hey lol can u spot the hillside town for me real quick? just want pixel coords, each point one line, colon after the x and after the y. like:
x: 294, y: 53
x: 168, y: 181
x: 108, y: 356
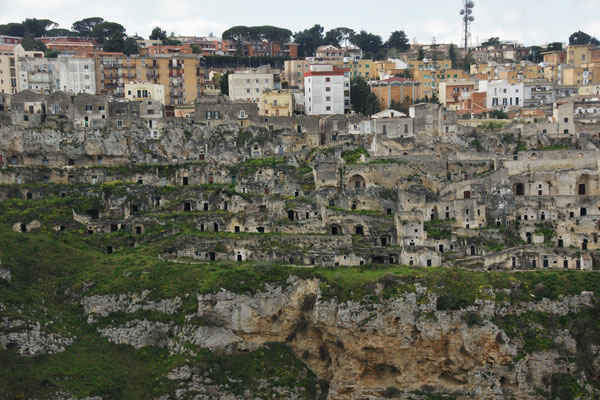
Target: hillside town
x: 319, y: 214
x: 490, y: 164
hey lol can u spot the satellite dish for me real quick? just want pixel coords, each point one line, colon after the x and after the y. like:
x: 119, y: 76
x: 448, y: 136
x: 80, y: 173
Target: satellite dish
x: 465, y: 18
x: 470, y: 4
x: 462, y: 12
x: 469, y: 11
x: 471, y: 18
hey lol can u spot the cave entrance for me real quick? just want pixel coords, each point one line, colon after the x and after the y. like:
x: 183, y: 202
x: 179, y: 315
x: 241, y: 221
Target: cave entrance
x: 93, y: 214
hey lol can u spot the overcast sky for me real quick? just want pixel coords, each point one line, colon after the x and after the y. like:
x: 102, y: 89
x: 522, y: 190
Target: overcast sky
x: 528, y: 21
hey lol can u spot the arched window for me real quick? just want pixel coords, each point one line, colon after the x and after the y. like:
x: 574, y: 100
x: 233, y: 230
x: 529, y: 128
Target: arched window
x: 357, y: 181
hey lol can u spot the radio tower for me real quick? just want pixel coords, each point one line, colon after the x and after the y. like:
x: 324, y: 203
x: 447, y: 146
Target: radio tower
x: 467, y: 12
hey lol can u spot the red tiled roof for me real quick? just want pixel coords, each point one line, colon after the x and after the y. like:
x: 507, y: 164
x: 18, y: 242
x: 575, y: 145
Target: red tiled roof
x: 7, y: 47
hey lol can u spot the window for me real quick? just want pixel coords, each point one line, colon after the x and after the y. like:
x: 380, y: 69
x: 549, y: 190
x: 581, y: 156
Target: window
x: 328, y: 108
x: 327, y: 79
x: 88, y: 108
x: 328, y: 89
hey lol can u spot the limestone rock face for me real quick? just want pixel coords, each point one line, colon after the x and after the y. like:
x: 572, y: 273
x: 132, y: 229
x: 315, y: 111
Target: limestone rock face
x: 29, y: 339
x: 104, y: 305
x: 360, y: 348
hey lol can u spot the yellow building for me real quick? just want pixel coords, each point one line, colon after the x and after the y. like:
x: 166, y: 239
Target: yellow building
x: 364, y: 68
x: 479, y: 69
x: 180, y: 75
x: 8, y: 69
x: 428, y: 82
x: 589, y: 90
x: 383, y: 67
x: 533, y: 72
x: 512, y: 76
x: 431, y: 65
x: 572, y: 77
x: 9, y: 66
x: 454, y: 74
x: 579, y: 54
x: 139, y: 91
x: 277, y: 103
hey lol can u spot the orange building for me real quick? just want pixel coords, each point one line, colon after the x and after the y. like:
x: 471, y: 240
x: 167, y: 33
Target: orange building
x: 452, y: 92
x: 211, y: 47
x: 527, y: 114
x: 473, y: 104
x: 555, y: 57
x: 181, y: 75
x: 263, y: 49
x: 70, y: 44
x: 395, y: 89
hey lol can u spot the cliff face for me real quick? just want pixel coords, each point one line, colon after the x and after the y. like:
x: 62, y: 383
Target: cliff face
x: 363, y: 349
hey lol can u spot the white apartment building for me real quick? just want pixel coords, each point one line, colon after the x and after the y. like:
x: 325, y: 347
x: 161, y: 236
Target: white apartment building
x: 326, y: 90
x: 250, y: 84
x: 46, y: 75
x: 76, y: 75
x: 140, y: 91
x: 37, y: 73
x: 502, y: 95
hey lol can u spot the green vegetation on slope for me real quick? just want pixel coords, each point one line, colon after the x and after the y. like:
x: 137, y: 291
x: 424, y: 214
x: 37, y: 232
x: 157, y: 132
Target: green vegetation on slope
x: 49, y: 268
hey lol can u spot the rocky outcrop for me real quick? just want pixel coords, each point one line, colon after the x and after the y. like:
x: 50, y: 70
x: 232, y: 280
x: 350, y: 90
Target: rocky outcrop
x: 197, y: 383
x: 104, y: 305
x: 27, y: 227
x: 29, y: 339
x: 361, y: 348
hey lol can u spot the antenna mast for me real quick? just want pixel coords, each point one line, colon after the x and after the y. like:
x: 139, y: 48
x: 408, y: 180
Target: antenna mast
x: 468, y: 18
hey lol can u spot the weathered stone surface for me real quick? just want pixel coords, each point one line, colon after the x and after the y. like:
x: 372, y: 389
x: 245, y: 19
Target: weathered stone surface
x: 104, y: 305
x: 362, y: 349
x: 30, y: 340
